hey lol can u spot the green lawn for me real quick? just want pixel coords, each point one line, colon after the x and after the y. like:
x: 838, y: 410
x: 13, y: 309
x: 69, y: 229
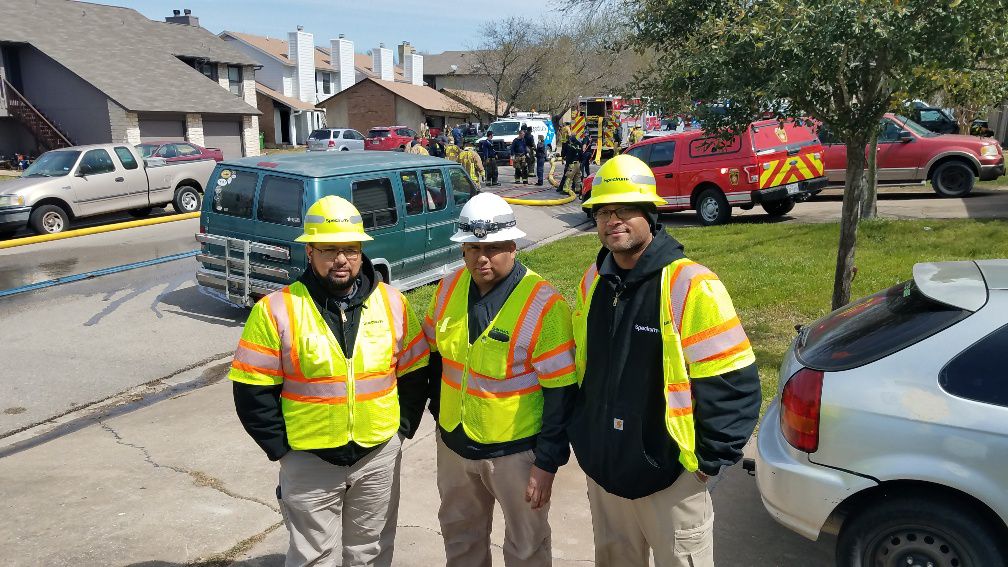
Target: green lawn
x: 781, y: 275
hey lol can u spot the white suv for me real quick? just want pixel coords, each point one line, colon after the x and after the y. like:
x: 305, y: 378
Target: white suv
x: 891, y: 424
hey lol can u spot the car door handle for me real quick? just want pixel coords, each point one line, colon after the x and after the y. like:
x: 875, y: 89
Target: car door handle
x: 120, y: 179
x: 668, y: 176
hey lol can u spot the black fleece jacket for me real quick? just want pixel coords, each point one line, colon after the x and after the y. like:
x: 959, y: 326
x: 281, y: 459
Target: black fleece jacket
x: 618, y: 428
x: 259, y: 407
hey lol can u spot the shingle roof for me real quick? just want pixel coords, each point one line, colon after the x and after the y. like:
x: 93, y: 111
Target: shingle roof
x: 424, y: 97
x: 279, y: 49
x: 363, y: 64
x: 441, y: 63
x: 131, y: 59
x: 481, y: 101
x: 294, y: 103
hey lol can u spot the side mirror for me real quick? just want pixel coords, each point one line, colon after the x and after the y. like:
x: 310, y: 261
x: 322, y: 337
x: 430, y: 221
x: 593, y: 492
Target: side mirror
x: 905, y: 136
x: 81, y: 172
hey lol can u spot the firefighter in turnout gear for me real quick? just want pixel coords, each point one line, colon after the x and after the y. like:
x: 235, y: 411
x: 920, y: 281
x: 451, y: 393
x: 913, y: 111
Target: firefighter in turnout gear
x: 329, y: 378
x: 472, y: 164
x: 519, y: 154
x: 503, y: 385
x: 669, y: 389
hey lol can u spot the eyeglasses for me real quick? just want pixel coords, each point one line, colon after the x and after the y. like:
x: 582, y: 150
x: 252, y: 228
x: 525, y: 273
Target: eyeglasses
x: 622, y: 213
x: 333, y: 253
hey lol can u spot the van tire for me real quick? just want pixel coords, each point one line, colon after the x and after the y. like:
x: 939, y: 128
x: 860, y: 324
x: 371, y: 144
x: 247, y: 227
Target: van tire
x: 712, y: 207
x: 187, y: 200
x: 140, y: 213
x: 953, y: 179
x: 49, y: 219
x: 779, y: 208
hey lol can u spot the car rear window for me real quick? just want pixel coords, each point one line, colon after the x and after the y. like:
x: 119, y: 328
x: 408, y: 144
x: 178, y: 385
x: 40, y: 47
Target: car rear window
x: 375, y: 201
x: 769, y: 137
x: 379, y: 133
x: 319, y: 135
x: 874, y: 327
x: 280, y: 200
x: 233, y: 192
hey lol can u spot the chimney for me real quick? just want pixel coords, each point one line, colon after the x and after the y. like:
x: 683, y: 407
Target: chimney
x: 301, y: 52
x: 381, y: 63
x: 413, y: 69
x: 405, y: 49
x: 184, y: 18
x: 342, y: 57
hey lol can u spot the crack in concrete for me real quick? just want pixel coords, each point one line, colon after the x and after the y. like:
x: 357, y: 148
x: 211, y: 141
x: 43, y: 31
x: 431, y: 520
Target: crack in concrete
x: 226, y: 558
x: 199, y: 478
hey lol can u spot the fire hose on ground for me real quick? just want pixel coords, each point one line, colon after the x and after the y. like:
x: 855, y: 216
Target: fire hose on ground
x: 571, y: 195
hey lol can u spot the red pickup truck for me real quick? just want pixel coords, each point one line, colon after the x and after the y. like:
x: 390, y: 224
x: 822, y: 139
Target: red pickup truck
x: 908, y: 153
x: 770, y: 164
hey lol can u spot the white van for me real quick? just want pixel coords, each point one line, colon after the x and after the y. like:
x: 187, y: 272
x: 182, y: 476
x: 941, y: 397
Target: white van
x: 505, y: 130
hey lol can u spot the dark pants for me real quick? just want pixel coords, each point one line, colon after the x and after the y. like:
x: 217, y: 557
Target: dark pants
x: 490, y: 168
x: 540, y: 168
x: 586, y: 167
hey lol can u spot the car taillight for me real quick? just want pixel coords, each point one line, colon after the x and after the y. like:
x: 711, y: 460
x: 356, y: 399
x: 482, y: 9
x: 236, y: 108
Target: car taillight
x: 332, y: 143
x: 800, y: 402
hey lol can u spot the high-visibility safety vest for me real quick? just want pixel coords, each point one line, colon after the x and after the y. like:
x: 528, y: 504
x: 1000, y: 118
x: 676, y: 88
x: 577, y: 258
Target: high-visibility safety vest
x: 701, y: 337
x: 329, y: 399
x: 493, y: 387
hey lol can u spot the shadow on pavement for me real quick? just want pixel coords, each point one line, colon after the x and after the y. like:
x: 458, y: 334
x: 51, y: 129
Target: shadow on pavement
x: 272, y: 560
x: 192, y: 303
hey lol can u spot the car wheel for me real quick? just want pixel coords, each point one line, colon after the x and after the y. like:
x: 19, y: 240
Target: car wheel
x: 49, y: 219
x: 141, y: 212
x: 187, y: 200
x: 918, y: 531
x: 953, y: 179
x: 712, y: 207
x: 344, y: 149
x: 779, y: 208
x: 402, y: 148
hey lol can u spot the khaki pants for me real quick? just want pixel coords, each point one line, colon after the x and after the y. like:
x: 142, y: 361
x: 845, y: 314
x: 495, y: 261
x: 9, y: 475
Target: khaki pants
x: 676, y: 523
x: 468, y: 490
x: 341, y: 515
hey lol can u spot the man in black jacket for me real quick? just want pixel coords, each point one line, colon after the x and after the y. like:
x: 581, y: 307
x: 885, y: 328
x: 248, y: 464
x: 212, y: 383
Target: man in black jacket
x: 339, y: 462
x: 669, y: 387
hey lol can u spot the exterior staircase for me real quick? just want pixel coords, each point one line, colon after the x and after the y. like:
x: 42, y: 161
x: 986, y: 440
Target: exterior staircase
x: 17, y: 106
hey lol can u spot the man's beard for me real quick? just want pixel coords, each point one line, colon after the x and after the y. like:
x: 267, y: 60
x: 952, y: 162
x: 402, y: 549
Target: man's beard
x: 629, y: 245
x: 334, y: 285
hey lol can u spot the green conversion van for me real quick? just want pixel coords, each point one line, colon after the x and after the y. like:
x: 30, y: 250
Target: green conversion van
x: 254, y: 208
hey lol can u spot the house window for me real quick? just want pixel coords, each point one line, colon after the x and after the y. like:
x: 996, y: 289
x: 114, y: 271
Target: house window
x: 325, y: 79
x: 209, y: 70
x: 235, y: 79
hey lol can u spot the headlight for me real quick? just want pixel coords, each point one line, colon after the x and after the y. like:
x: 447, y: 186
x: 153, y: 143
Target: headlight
x: 990, y: 151
x: 11, y: 200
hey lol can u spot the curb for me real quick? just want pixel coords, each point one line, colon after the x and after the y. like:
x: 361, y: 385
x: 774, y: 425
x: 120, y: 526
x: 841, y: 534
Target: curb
x: 95, y: 230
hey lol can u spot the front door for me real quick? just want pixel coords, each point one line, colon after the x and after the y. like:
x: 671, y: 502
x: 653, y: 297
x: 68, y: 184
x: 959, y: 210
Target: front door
x: 417, y: 236
x: 100, y: 186
x: 898, y: 160
x: 441, y: 219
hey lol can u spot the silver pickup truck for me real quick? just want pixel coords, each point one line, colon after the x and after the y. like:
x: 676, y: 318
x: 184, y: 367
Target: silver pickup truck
x: 83, y: 181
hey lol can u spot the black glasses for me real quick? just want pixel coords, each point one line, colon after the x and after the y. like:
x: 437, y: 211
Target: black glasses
x: 622, y: 213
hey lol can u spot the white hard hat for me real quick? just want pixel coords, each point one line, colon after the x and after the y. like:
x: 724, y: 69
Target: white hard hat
x: 487, y: 218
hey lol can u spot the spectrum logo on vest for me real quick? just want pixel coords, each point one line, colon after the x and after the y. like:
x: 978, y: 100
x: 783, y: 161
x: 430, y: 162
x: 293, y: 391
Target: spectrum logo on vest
x: 645, y: 329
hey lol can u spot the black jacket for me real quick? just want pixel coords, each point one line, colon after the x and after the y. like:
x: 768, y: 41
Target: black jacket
x: 618, y: 428
x: 550, y: 445
x: 259, y: 407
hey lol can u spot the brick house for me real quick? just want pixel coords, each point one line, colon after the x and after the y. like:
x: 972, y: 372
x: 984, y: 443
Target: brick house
x: 81, y: 73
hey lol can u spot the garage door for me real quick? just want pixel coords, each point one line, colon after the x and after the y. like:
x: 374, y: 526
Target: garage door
x: 224, y: 134
x: 172, y: 130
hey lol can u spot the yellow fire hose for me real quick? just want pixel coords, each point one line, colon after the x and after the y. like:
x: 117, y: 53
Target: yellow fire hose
x: 546, y: 202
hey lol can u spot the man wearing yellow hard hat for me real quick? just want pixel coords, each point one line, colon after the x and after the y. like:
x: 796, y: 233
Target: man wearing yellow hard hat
x: 329, y: 378
x: 669, y: 390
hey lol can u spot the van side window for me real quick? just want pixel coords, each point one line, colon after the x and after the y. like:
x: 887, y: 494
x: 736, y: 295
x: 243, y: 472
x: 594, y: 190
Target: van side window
x: 375, y: 201
x: 233, y: 192
x: 661, y: 154
x: 462, y: 187
x: 412, y: 192
x: 126, y: 157
x: 437, y: 197
x: 280, y: 200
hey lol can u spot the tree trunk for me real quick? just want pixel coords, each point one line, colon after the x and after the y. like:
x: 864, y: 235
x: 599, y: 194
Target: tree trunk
x: 850, y: 216
x: 869, y: 202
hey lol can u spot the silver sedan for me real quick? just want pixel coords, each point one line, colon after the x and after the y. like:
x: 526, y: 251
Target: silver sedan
x: 890, y: 428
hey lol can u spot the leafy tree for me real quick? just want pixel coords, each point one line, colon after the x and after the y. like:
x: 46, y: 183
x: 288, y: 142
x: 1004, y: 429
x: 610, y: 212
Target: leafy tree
x: 843, y: 63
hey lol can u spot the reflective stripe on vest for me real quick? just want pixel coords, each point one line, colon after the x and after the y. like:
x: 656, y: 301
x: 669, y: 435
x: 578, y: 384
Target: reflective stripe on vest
x: 318, y: 377
x: 491, y: 387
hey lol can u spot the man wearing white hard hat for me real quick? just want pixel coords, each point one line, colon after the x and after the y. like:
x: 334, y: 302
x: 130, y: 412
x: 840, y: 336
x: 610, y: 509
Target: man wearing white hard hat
x: 503, y: 384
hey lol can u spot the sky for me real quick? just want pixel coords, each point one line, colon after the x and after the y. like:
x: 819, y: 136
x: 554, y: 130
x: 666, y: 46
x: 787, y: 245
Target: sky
x: 430, y: 26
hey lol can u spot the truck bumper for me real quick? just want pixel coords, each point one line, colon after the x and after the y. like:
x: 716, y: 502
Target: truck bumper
x: 14, y: 218
x: 990, y: 172
x: 798, y: 191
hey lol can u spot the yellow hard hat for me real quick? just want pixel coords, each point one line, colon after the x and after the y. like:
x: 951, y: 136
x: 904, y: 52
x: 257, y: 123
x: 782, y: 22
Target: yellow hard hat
x: 333, y: 219
x: 624, y: 179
